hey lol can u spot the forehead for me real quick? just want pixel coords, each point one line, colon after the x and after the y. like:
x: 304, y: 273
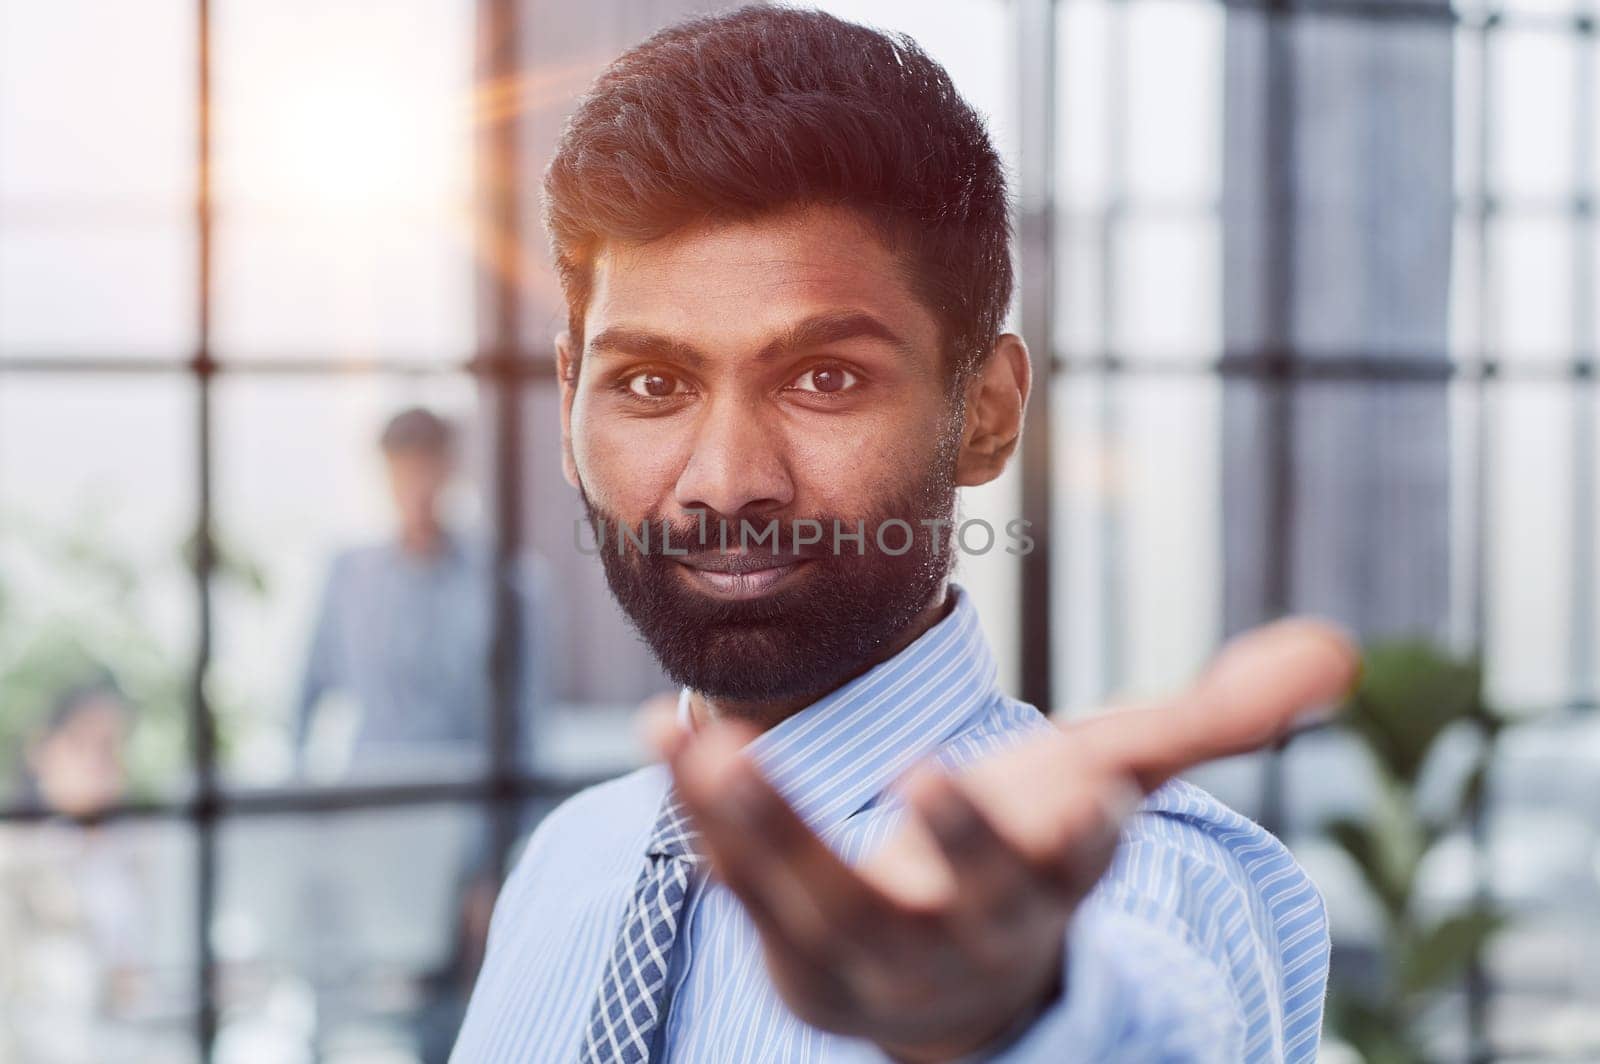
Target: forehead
x: 735, y: 283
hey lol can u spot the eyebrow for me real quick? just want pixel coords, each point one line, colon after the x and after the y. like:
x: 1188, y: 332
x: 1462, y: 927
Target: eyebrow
x: 816, y: 331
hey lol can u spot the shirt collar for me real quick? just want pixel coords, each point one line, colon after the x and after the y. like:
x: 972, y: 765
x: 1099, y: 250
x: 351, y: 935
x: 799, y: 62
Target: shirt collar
x: 837, y: 754
x: 451, y: 551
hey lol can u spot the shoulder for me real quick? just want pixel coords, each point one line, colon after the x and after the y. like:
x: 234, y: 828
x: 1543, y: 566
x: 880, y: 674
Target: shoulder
x: 1002, y: 722
x: 1188, y: 856
x: 1186, y: 818
x: 628, y: 795
x: 354, y: 561
x: 598, y: 829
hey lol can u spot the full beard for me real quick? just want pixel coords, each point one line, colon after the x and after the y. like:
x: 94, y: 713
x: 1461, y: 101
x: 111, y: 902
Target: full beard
x: 833, y: 619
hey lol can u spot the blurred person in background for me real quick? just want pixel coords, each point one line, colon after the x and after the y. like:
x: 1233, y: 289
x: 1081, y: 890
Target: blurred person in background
x: 405, y: 630
x: 74, y: 895
x: 405, y: 626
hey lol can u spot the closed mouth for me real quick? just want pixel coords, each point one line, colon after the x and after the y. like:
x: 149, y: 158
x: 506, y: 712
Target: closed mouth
x: 740, y: 575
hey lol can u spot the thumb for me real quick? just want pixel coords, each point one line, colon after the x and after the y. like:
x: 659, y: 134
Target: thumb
x: 1253, y: 693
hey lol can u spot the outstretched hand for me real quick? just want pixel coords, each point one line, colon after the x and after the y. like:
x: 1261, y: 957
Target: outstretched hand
x: 953, y: 932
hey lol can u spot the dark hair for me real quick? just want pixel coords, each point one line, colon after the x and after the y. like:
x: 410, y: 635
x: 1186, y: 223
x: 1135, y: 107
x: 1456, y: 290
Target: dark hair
x: 67, y: 704
x: 767, y: 108
x: 64, y: 709
x: 417, y: 429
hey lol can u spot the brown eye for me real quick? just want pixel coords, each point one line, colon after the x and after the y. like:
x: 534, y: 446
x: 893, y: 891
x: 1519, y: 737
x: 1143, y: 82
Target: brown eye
x: 827, y: 380
x: 652, y: 385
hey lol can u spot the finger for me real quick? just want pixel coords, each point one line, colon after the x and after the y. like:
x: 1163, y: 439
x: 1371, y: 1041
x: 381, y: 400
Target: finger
x: 1251, y: 695
x: 1059, y: 828
x: 795, y: 887
x: 660, y: 732
x: 1090, y: 832
x: 989, y: 882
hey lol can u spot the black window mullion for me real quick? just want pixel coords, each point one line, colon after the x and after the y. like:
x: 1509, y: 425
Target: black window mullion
x: 202, y: 735
x: 500, y: 182
x: 1036, y: 230
x: 1582, y: 606
x: 1108, y: 395
x: 1487, y: 326
x: 1278, y: 157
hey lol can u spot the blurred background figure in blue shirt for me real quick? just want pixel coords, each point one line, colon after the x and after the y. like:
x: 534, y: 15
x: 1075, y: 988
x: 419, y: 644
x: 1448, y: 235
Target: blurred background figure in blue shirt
x: 404, y: 633
x: 404, y: 628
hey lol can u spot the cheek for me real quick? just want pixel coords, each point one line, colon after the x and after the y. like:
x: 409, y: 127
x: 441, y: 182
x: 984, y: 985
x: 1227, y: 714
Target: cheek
x: 627, y: 466
x: 856, y: 465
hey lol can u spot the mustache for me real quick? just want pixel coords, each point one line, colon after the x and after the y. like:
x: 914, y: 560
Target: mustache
x: 733, y: 544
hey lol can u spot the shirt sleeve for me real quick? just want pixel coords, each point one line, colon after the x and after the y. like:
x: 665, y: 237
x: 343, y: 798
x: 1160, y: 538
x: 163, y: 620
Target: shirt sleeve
x: 1205, y: 942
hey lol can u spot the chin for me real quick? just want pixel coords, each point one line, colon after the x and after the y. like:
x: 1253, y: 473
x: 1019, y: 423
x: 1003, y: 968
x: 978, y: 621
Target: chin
x: 745, y: 662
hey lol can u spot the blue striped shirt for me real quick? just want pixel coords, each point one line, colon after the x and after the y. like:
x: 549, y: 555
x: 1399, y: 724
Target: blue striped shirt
x: 1204, y: 942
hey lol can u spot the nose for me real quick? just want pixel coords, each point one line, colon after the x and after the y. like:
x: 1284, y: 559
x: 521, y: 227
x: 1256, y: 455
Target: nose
x: 738, y: 463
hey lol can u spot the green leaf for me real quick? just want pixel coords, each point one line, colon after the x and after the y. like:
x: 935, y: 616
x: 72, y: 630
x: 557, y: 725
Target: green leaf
x: 1410, y: 692
x: 1375, y: 1026
x: 1442, y: 952
x: 1387, y: 848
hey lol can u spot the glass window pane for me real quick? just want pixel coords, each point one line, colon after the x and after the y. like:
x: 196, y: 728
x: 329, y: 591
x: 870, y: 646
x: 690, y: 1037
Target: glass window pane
x: 1168, y: 288
x: 344, y: 138
x: 352, y: 936
x: 1467, y: 306
x: 1467, y: 130
x: 1533, y: 74
x: 336, y: 644
x: 970, y: 38
x: 1529, y: 545
x: 97, y: 102
x: 1370, y: 537
x: 96, y: 509
x: 1370, y: 192
x: 1531, y: 287
x: 97, y: 157
x: 1083, y: 103
x: 1085, y: 476
x: 1080, y: 275
x: 1173, y: 125
x: 1169, y: 435
x: 85, y: 288
x: 1543, y: 864
x: 1138, y: 534
x: 351, y: 290
x: 99, y: 961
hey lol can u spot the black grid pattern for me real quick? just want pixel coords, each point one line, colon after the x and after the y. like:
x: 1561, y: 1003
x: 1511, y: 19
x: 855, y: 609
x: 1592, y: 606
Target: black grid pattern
x: 1475, y: 367
x: 504, y: 368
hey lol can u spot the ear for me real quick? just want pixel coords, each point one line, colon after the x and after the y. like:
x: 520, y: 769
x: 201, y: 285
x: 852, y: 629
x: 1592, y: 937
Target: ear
x: 567, y: 374
x: 995, y: 400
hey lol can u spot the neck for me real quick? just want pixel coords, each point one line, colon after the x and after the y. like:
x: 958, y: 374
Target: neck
x: 422, y: 539
x: 763, y: 714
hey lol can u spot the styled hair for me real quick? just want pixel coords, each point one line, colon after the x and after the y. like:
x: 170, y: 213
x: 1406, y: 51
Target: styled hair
x: 417, y: 430
x: 764, y: 109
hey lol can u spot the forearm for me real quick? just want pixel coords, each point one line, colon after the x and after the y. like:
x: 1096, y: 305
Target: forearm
x: 1204, y: 933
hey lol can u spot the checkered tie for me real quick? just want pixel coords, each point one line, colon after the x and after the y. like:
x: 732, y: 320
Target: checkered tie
x: 629, y: 1004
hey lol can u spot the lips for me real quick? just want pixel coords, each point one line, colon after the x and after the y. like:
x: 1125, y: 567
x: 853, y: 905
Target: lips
x: 740, y: 575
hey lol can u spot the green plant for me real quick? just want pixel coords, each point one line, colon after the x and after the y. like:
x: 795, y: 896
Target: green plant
x: 74, y: 608
x: 1411, y: 694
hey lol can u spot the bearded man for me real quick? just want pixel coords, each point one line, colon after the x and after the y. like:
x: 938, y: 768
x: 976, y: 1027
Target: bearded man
x: 785, y: 248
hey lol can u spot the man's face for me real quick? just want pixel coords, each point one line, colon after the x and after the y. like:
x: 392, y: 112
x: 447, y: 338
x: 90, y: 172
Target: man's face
x: 417, y: 479
x: 79, y: 766
x: 773, y: 369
